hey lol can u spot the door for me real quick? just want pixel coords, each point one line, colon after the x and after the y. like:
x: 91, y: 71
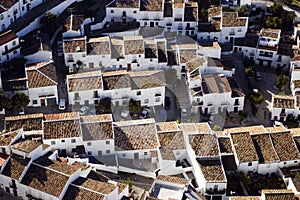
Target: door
x: 100, y: 153
x: 28, y: 7
x: 151, y: 24
x: 51, y: 101
x: 128, y: 67
x: 43, y: 102
x: 235, y: 109
x: 15, y: 193
x: 136, y: 156
x: 91, y: 65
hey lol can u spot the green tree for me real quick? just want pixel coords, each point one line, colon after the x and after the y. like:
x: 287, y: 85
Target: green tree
x: 20, y: 100
x: 291, y: 121
x: 217, y: 128
x: 5, y: 102
x: 273, y: 22
x: 50, y: 23
x: 282, y: 81
x: 244, y: 10
x: 249, y: 71
x: 276, y: 9
x: 134, y: 106
x: 104, y: 106
x: 256, y: 98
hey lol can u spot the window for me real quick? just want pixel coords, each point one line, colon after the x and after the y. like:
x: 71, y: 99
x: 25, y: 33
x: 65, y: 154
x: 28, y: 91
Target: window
x: 145, y: 23
x: 138, y: 93
x: 124, y: 155
x: 89, y: 143
x: 89, y: 153
x: 157, y: 99
x: 239, y: 30
x: 63, y: 141
x: 15, y: 52
x: 34, y: 102
x: 23, y: 8
x: 14, y: 43
x: 112, y: 11
x: 146, y: 101
x: 177, y: 153
x: 52, y: 142
x: 134, y: 11
x: 1, y: 16
x: 139, y: 55
x: 73, y: 140
x: 284, y: 163
x: 250, y: 164
x: 295, y: 161
x: 107, y: 142
x: 226, y: 38
x: 107, y: 151
x: 145, y: 153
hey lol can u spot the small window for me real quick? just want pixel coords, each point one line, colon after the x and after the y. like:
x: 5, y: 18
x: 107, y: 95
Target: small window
x: 138, y: 93
x: 124, y: 155
x: 157, y: 99
x: 14, y: 43
x: 15, y: 52
x: 34, y: 102
x: 52, y: 142
x: 89, y: 143
x: 73, y: 140
x: 112, y: 11
x: 139, y: 55
x: 295, y: 161
x: 284, y: 163
x: 138, y: 65
x: 146, y: 101
x: 107, y: 151
x: 63, y: 141
x: 177, y: 153
x: 134, y: 11
x: 107, y: 142
x: 145, y: 153
x: 250, y: 164
x: 89, y: 153
x: 145, y: 23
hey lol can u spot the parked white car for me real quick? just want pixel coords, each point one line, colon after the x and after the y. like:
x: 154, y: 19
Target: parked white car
x: 62, y: 104
x: 83, y: 110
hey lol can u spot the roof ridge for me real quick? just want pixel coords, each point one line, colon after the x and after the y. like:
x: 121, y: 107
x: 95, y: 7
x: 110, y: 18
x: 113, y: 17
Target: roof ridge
x: 45, y: 74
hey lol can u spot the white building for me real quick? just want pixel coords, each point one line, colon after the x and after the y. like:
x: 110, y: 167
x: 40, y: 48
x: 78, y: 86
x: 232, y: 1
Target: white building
x: 214, y: 94
x: 42, y: 84
x: 75, y: 52
x: 136, y: 146
x: 12, y: 10
x: 84, y: 88
x: 9, y: 46
x: 74, y: 26
x: 168, y: 187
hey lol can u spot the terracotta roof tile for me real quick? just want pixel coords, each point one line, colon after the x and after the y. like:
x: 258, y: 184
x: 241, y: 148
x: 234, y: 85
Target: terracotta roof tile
x: 8, y: 35
x: 127, y: 3
x: 8, y: 137
x: 228, y: 162
x: 171, y: 141
x: 135, y: 136
x: 75, y: 45
x: 45, y: 180
x: 167, y: 126
x: 172, y: 179
x: 85, y: 81
x: 264, y: 148
x: 117, y: 80
x: 27, y: 146
x: 278, y: 194
x: 271, y: 33
x: 285, y: 146
x: 232, y: 19
x: 212, y: 12
x: 41, y: 75
x: 225, y: 145
x: 212, y: 170
x: 133, y: 45
x: 215, y: 83
x: 147, y: 79
x: 29, y: 122
x: 97, y: 131
x: 97, y: 186
x: 190, y: 12
x: 98, y: 46
x: 151, y: 5
x: 244, y: 147
x: 77, y: 193
x: 283, y: 102
x: 204, y: 145
x: 15, y: 166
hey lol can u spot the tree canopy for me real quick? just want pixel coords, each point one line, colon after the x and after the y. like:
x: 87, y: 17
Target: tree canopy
x: 282, y: 81
x: 256, y: 98
x: 20, y: 100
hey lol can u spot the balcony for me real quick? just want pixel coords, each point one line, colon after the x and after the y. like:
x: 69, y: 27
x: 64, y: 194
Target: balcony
x: 178, y: 19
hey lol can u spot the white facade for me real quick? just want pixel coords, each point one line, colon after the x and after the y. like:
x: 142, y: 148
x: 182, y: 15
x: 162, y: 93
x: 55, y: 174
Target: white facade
x: 10, y: 48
